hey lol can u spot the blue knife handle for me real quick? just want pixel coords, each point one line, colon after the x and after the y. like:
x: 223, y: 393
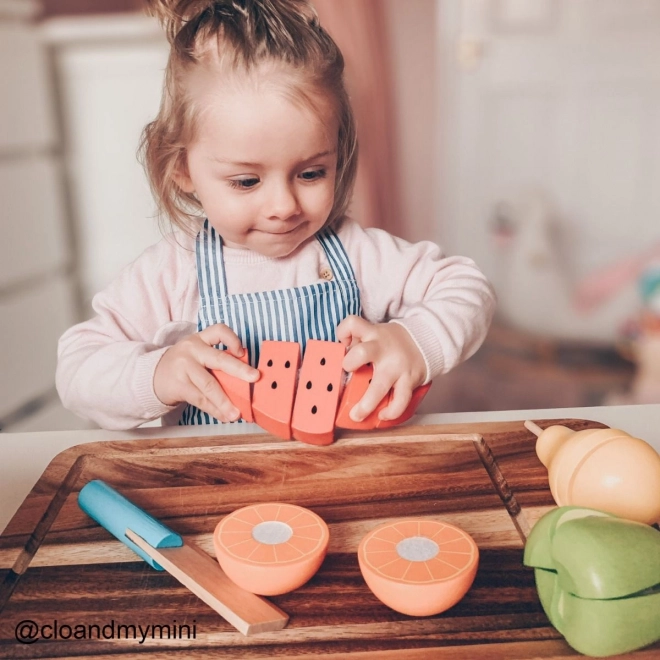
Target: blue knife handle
x: 115, y: 513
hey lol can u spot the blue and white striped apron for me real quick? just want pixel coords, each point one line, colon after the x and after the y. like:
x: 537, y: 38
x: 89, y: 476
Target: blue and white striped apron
x: 298, y: 314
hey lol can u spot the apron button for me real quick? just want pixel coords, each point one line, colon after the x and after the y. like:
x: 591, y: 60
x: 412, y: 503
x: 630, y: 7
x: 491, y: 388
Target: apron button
x: 326, y: 273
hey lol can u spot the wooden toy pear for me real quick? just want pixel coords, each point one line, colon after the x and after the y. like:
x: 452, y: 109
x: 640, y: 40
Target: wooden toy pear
x: 605, y: 469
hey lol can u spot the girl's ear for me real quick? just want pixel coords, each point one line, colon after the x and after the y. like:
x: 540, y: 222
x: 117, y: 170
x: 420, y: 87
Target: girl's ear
x: 181, y: 176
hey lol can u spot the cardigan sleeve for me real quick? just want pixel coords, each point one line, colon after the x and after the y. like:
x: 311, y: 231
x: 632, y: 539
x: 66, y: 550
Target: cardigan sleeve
x: 106, y: 364
x: 445, y: 302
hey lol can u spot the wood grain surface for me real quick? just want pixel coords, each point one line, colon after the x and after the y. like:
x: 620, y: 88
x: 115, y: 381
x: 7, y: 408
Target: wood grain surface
x: 61, y: 570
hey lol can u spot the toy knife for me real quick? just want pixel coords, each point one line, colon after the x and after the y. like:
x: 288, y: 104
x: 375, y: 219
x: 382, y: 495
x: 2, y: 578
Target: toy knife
x: 164, y: 549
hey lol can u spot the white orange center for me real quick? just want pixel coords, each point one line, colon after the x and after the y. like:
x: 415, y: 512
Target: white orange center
x: 272, y: 532
x: 417, y: 548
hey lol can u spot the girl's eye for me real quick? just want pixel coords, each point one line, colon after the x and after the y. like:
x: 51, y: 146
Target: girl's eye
x: 313, y: 175
x: 243, y: 184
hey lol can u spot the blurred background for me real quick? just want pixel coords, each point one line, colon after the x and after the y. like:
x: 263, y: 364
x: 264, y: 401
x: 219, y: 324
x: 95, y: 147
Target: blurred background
x: 522, y: 133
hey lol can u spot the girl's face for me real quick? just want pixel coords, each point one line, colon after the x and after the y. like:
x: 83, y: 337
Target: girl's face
x: 263, y: 168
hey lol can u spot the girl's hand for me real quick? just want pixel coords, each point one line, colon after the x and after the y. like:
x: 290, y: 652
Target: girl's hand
x: 396, y: 360
x: 182, y: 374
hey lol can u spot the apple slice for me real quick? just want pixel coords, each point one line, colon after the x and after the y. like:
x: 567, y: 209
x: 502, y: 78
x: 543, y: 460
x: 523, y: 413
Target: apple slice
x: 318, y: 392
x: 273, y: 393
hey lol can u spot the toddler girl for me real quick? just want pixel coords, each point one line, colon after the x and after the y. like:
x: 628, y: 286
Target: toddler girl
x: 253, y: 158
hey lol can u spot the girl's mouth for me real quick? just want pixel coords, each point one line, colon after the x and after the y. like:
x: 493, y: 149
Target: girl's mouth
x: 284, y: 232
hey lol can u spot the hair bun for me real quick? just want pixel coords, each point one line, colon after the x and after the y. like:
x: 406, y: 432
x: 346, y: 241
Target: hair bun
x: 174, y: 14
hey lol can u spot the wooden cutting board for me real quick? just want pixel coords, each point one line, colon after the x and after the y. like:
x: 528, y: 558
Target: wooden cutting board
x: 61, y: 570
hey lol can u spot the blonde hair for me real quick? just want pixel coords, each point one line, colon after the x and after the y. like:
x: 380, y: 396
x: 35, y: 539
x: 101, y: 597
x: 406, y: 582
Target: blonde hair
x: 247, y: 33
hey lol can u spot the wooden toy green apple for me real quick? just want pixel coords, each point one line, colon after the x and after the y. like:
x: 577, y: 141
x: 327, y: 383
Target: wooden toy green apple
x: 598, y: 579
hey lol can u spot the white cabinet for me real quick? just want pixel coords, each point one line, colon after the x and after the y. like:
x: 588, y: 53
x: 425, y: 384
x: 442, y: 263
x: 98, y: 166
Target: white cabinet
x: 33, y: 242
x: 26, y: 117
x: 75, y: 206
x: 31, y: 322
x: 109, y: 73
x: 36, y: 291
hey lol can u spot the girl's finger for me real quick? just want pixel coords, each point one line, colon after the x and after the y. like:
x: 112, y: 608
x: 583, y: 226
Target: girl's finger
x: 401, y: 396
x: 360, y: 354
x: 352, y: 328
x: 191, y: 394
x: 220, y: 333
x: 212, y: 358
x: 210, y: 397
x: 376, y: 392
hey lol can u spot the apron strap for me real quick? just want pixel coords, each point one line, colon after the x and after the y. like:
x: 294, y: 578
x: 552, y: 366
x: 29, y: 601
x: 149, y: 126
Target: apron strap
x: 336, y: 254
x: 211, y: 274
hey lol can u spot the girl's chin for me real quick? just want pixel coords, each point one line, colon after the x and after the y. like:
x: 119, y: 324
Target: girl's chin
x: 268, y: 246
x: 278, y: 249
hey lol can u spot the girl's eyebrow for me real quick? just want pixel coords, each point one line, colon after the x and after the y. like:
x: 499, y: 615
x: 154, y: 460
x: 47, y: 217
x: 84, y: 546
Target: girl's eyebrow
x: 321, y: 154
x: 242, y: 163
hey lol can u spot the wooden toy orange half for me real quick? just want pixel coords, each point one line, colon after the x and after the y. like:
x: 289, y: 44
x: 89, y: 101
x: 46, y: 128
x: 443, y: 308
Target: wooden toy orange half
x: 418, y: 567
x: 273, y: 393
x: 318, y: 392
x: 237, y: 389
x: 271, y: 549
x: 355, y: 389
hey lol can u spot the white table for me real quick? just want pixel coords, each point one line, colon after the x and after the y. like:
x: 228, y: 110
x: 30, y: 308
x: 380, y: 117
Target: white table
x: 24, y: 456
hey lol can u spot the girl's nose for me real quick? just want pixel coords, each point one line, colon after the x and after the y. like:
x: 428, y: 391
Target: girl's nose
x: 282, y: 202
